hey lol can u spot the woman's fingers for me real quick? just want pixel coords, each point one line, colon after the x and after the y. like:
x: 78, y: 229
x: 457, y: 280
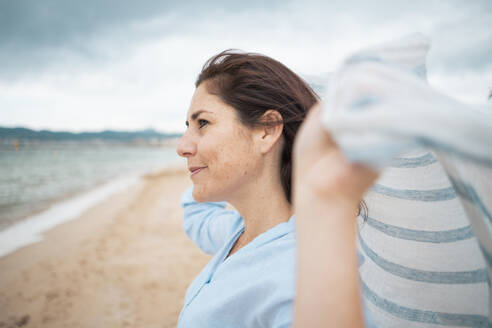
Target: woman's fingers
x: 321, y: 167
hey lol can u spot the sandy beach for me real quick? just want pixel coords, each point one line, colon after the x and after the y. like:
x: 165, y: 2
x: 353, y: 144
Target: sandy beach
x: 123, y: 263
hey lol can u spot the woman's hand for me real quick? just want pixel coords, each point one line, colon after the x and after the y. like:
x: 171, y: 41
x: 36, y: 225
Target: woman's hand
x: 326, y: 193
x: 320, y: 170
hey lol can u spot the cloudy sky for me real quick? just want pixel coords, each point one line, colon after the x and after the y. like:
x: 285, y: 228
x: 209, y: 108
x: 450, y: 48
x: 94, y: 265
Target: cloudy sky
x: 126, y: 65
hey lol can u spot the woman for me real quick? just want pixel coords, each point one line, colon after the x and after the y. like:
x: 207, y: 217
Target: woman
x: 241, y: 125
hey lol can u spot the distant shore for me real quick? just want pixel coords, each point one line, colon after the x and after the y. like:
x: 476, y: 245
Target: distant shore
x: 123, y: 263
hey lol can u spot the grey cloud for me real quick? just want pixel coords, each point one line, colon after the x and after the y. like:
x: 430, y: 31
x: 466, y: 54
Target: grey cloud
x: 460, y: 31
x: 465, y: 45
x: 52, y: 22
x: 35, y: 34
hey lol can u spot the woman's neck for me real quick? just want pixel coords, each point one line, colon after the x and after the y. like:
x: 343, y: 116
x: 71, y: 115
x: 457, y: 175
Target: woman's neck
x: 262, y: 205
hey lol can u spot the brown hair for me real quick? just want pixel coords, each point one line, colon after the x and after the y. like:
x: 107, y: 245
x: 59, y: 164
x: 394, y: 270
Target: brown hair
x: 253, y: 84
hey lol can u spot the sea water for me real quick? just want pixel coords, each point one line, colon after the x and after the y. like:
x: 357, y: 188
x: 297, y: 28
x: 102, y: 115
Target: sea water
x: 44, y: 184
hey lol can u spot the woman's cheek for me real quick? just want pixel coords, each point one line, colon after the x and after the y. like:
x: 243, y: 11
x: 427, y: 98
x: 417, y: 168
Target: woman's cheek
x: 226, y: 170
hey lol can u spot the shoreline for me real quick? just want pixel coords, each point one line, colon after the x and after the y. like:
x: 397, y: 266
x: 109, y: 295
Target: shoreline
x: 124, y: 262
x: 30, y: 229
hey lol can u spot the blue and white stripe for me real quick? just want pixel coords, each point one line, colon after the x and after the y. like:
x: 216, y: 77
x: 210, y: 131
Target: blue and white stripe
x: 424, y: 268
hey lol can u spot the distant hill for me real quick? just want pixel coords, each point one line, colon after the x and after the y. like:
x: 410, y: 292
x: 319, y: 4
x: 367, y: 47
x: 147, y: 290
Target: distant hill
x: 107, y: 135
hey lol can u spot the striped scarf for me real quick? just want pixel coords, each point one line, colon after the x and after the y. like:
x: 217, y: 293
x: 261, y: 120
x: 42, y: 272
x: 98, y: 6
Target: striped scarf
x: 426, y: 245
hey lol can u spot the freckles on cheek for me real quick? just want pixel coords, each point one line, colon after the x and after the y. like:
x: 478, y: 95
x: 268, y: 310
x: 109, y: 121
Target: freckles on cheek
x: 232, y: 159
x: 227, y: 169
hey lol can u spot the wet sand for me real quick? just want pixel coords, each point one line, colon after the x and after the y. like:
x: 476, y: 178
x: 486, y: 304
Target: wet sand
x: 124, y: 263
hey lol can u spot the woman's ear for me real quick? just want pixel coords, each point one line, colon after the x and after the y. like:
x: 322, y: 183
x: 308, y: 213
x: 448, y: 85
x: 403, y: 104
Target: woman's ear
x: 270, y: 132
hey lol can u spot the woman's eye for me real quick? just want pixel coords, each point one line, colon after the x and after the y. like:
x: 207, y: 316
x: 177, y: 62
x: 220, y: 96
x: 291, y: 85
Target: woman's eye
x: 202, y: 123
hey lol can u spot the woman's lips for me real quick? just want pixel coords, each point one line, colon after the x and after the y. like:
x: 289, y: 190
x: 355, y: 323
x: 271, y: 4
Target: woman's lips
x: 195, y: 170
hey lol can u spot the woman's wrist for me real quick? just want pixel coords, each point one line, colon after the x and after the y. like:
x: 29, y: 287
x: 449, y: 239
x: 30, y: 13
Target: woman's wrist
x: 309, y: 200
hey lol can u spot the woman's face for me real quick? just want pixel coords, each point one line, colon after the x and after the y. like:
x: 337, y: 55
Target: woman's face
x: 220, y: 150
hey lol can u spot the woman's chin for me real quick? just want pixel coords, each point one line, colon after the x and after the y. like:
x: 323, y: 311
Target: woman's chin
x: 202, y: 196
x: 199, y: 198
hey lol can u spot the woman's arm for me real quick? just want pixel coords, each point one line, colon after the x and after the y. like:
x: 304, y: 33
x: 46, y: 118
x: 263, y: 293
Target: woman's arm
x: 327, y: 192
x: 209, y: 225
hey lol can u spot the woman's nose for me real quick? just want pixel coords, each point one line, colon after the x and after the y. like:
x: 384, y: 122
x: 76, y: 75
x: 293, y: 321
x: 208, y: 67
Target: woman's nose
x: 186, y: 146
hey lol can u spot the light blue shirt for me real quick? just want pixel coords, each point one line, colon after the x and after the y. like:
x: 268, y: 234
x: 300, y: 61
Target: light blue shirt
x: 254, y: 287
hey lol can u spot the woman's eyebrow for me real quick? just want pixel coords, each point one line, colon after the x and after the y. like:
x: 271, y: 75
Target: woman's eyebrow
x: 198, y: 112
x: 194, y: 116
